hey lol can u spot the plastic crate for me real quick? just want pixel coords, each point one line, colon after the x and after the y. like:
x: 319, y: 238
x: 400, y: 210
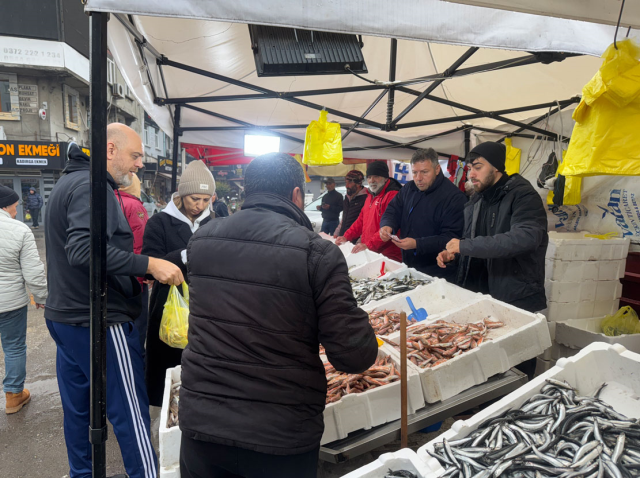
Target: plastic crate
x: 574, y: 246
x: 577, y: 334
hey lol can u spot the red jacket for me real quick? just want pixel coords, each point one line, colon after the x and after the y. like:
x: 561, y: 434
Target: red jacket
x: 367, y: 226
x: 137, y: 218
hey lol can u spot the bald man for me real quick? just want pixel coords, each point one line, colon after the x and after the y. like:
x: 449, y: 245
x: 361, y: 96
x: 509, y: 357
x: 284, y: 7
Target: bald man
x: 67, y: 310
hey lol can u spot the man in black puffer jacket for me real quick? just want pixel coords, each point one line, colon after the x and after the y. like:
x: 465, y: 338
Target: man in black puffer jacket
x: 353, y: 202
x: 253, y: 385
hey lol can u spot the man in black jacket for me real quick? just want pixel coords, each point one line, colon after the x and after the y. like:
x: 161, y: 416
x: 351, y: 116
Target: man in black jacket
x: 67, y: 311
x: 353, y: 202
x: 428, y: 213
x: 219, y: 208
x: 331, y: 207
x: 253, y: 385
x: 505, y: 235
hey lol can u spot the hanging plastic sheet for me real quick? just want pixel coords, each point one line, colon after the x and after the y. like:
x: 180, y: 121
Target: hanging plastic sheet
x: 512, y: 163
x: 322, y: 143
x: 605, y: 138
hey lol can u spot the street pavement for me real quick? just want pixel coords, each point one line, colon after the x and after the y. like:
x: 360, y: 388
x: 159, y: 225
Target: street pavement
x: 32, y: 440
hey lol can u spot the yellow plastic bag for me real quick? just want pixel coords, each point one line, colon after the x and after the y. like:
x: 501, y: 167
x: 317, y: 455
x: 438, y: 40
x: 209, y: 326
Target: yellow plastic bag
x: 27, y: 217
x: 174, y: 325
x: 605, y: 138
x: 322, y: 143
x: 512, y: 163
x: 625, y: 321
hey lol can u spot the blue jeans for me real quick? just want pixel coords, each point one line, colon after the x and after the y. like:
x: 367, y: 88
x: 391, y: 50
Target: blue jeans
x: 13, y: 333
x: 329, y: 226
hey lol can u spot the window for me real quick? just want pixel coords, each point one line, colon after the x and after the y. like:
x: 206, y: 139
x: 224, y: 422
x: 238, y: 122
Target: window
x: 127, y: 92
x: 111, y: 71
x: 145, y: 135
x: 9, y: 100
x: 71, y: 105
x: 157, y: 138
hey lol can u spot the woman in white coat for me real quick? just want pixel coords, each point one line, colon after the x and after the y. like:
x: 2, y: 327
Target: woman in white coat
x: 20, y: 265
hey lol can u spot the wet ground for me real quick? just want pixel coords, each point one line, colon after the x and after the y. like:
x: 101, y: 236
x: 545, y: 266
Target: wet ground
x: 32, y: 441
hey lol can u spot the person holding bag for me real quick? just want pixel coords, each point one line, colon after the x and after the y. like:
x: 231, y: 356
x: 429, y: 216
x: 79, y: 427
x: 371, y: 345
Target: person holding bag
x: 166, y: 236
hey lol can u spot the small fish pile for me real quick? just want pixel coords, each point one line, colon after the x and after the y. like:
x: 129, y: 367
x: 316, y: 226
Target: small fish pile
x: 400, y: 474
x: 432, y: 344
x: 385, y: 322
x: 556, y: 433
x: 174, y: 405
x: 369, y: 290
x: 340, y: 384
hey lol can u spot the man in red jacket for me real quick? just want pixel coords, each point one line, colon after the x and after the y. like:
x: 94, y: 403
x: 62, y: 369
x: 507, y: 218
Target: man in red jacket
x: 382, y: 189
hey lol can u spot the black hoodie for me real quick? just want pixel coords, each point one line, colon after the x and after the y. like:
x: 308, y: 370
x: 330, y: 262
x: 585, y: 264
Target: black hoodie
x: 67, y: 238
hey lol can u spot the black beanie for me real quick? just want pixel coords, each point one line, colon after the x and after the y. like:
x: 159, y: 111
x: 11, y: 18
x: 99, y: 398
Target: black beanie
x: 378, y: 168
x: 494, y: 153
x: 8, y: 196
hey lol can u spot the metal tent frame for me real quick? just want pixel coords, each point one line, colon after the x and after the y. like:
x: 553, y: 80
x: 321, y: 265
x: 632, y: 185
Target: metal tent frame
x: 359, y: 125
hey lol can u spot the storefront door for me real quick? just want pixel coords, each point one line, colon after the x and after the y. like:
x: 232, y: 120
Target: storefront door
x: 21, y: 185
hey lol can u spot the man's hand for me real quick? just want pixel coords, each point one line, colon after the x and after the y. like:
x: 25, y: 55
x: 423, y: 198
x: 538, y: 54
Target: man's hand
x: 165, y: 271
x: 385, y: 233
x: 39, y: 306
x: 326, y: 206
x: 340, y: 240
x: 318, y: 207
x: 359, y: 247
x: 443, y: 258
x: 453, y: 246
x: 406, y: 244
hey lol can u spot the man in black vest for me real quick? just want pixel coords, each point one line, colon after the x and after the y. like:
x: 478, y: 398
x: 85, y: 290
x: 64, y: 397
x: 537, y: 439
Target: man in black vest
x: 353, y: 202
x: 253, y: 385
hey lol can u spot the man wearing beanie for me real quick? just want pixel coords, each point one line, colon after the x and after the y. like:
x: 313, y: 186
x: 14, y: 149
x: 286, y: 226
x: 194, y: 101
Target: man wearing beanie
x: 166, y: 237
x: 382, y: 190
x: 353, y: 202
x: 67, y: 311
x: 331, y: 207
x: 20, y: 266
x: 505, y: 235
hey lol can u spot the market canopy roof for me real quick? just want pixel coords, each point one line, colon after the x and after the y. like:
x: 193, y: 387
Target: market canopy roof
x: 208, y: 66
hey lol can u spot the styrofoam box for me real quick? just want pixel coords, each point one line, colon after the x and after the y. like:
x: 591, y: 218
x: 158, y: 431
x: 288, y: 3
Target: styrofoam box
x: 561, y: 311
x: 402, y: 273
x: 574, y: 246
x: 326, y: 237
x: 346, y: 248
x: 360, y: 258
x: 169, y: 437
x: 543, y: 365
x: 578, y: 271
x: 371, y: 270
x: 586, y: 371
x: 404, y: 459
x: 358, y: 411
x: 580, y: 291
x: 524, y: 336
x: 557, y: 351
x: 436, y: 298
x: 579, y: 333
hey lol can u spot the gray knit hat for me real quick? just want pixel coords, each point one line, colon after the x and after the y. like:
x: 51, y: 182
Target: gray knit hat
x: 196, y: 179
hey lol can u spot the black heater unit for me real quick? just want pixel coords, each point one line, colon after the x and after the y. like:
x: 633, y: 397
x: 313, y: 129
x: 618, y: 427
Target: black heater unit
x: 292, y: 52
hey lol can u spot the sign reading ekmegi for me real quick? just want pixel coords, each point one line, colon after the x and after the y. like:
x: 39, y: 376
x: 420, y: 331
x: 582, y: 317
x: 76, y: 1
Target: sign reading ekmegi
x: 32, y: 154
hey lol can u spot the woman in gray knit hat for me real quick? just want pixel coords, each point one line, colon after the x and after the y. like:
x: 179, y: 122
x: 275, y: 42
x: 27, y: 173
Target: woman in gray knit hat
x: 166, y: 236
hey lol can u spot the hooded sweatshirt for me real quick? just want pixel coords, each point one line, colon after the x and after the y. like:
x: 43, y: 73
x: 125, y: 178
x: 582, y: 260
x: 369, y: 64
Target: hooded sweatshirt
x: 67, y: 239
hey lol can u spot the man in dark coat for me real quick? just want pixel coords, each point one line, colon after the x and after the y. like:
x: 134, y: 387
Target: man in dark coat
x: 505, y: 235
x: 428, y: 213
x: 253, y: 385
x: 353, y: 202
x: 34, y: 204
x: 219, y: 208
x: 331, y: 207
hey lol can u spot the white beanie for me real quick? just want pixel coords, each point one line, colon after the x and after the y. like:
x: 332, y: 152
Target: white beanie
x: 196, y: 179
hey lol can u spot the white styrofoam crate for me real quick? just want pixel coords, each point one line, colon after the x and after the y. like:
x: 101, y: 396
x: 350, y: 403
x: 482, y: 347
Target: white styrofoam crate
x: 402, y: 273
x: 579, y: 333
x: 561, y: 311
x: 524, y: 336
x: 586, y: 290
x: 557, y: 351
x: 346, y: 248
x: 326, y: 237
x: 169, y: 438
x: 361, y: 258
x: 578, y: 271
x: 436, y: 298
x: 574, y: 246
x: 358, y: 411
x: 404, y: 459
x: 371, y: 270
x: 543, y: 365
x: 586, y: 371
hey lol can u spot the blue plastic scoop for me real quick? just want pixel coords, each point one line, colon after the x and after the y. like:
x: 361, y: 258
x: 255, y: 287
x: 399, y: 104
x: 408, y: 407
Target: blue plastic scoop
x: 418, y: 314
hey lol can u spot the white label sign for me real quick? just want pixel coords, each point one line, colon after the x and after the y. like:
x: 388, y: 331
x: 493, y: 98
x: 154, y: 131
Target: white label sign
x: 28, y: 96
x: 32, y: 161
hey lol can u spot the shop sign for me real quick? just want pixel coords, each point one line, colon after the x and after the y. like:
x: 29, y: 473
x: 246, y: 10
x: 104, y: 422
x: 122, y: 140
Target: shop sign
x: 165, y: 165
x: 28, y: 99
x: 32, y: 154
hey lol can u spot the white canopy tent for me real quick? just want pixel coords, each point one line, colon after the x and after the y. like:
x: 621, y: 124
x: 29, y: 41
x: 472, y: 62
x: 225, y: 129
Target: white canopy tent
x: 214, y: 37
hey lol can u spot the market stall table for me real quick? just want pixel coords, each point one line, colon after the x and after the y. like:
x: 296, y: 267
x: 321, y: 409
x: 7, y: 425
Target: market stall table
x: 363, y: 441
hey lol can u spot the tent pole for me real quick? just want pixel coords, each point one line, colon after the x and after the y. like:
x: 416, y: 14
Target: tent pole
x: 392, y: 77
x: 368, y: 110
x: 467, y: 142
x: 98, y: 245
x: 176, y: 149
